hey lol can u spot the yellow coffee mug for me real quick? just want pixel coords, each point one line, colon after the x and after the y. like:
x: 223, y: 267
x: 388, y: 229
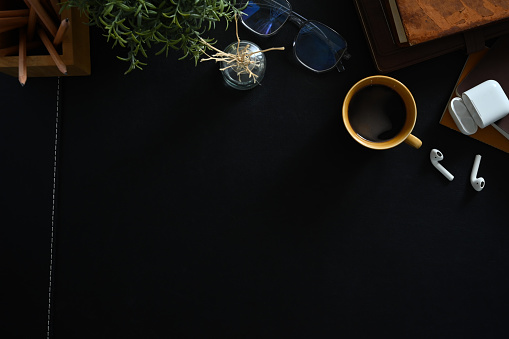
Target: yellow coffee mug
x: 404, y: 135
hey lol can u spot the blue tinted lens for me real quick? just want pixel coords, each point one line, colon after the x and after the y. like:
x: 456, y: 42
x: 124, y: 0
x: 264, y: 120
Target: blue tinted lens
x: 319, y: 47
x: 266, y: 17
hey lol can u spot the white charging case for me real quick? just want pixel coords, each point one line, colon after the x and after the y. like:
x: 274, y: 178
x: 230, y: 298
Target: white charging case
x: 480, y: 106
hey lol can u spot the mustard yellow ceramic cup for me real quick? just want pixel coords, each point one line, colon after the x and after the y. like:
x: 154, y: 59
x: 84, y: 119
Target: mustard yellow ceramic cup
x: 406, y: 104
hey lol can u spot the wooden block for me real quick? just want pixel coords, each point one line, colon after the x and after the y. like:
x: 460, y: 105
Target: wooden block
x: 75, y: 51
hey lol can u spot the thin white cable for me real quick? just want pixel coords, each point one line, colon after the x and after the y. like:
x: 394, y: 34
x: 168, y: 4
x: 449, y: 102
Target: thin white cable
x: 52, y: 238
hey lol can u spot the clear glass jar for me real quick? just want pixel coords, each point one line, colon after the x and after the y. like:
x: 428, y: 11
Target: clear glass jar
x: 237, y: 76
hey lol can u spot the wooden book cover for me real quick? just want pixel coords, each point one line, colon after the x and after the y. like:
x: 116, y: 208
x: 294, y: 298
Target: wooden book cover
x: 489, y: 135
x: 389, y: 55
x: 426, y: 20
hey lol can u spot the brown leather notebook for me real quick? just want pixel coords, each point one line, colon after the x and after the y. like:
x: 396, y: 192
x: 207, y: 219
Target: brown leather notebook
x: 388, y: 55
x: 493, y: 66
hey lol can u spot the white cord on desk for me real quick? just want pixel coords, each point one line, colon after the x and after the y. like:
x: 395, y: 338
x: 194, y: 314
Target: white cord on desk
x: 53, y: 210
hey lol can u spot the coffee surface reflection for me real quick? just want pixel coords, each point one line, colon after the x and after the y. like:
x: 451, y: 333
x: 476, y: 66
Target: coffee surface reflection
x: 377, y: 113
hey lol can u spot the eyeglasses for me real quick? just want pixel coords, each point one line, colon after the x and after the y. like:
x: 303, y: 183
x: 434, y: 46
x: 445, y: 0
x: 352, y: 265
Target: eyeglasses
x: 316, y: 46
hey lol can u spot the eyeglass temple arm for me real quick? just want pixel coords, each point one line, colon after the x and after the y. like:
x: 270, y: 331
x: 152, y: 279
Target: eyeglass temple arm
x: 340, y: 66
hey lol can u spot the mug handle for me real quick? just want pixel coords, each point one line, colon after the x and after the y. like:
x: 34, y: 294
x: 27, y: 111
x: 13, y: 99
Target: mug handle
x: 413, y: 141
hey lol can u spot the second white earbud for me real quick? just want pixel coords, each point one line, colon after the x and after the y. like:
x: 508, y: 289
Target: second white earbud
x: 436, y: 156
x: 477, y: 183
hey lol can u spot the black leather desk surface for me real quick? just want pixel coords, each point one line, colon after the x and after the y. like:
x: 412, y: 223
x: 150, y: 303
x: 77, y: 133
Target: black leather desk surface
x: 185, y: 209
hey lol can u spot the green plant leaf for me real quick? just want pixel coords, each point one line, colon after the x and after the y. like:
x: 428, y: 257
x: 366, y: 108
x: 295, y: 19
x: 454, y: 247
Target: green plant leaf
x: 139, y: 25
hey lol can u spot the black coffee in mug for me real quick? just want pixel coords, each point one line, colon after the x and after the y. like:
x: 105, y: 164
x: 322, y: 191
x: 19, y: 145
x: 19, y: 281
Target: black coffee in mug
x: 377, y: 113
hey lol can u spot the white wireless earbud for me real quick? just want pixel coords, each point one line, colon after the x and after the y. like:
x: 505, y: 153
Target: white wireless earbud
x: 437, y: 156
x: 477, y: 183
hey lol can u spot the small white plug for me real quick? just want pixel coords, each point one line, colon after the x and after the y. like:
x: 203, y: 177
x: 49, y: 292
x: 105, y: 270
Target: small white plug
x: 477, y: 183
x: 436, y: 156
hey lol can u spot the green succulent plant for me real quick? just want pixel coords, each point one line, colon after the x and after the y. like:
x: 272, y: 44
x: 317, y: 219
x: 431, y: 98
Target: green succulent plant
x: 140, y: 25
